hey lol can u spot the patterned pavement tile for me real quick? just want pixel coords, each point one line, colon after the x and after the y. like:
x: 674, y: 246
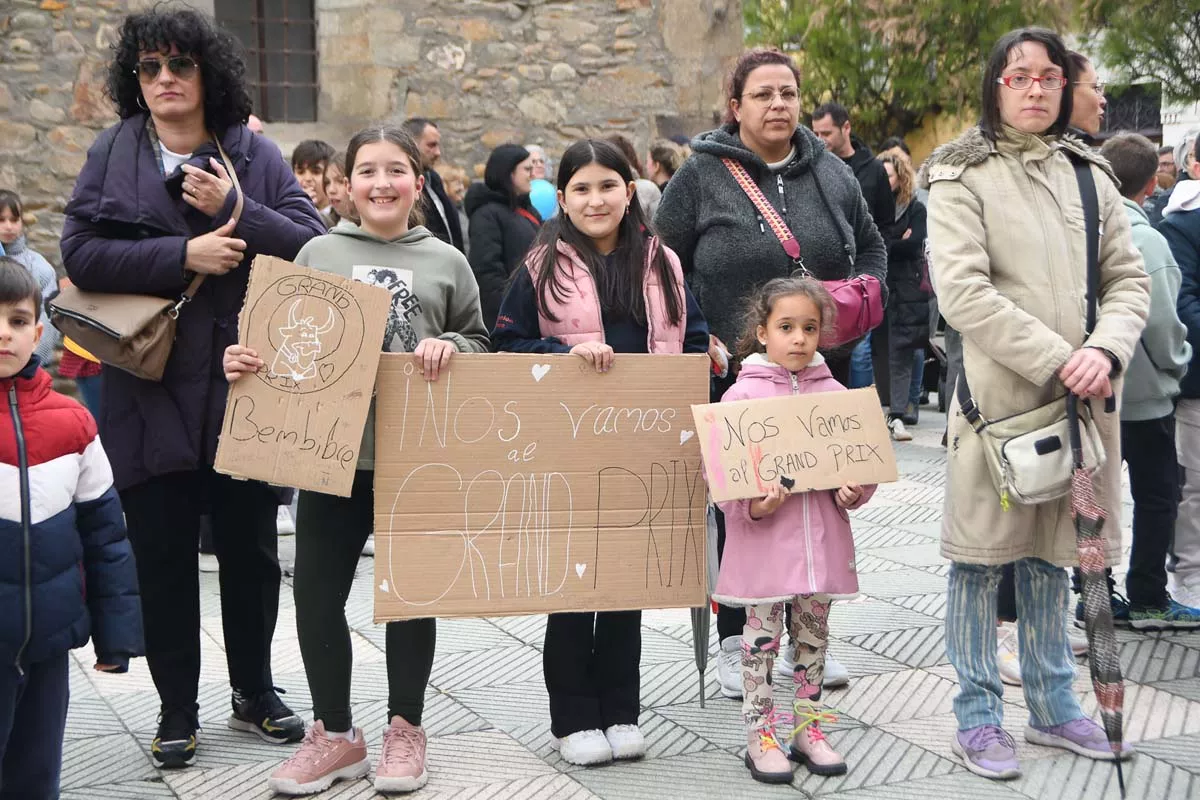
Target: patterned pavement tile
x: 1179, y: 751
x: 959, y: 785
x: 900, y: 583
x: 100, y: 759
x: 866, y: 616
x: 714, y: 775
x: 488, y: 719
x: 1150, y: 659
x: 893, y: 696
x: 874, y: 758
x: 916, y: 647
x: 1072, y: 776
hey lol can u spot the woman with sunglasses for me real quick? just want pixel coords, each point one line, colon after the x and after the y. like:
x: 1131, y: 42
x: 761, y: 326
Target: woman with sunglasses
x: 1009, y: 256
x: 151, y: 210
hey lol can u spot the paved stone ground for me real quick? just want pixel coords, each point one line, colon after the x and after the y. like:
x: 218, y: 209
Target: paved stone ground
x: 489, y: 725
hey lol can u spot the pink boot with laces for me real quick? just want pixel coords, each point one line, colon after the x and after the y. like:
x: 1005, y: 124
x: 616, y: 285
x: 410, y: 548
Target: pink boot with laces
x: 809, y: 746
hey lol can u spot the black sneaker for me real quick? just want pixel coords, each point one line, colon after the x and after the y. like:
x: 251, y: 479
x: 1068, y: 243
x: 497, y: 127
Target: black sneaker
x: 174, y: 745
x: 265, y: 714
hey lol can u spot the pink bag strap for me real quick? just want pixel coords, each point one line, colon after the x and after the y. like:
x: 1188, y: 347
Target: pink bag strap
x: 790, y: 245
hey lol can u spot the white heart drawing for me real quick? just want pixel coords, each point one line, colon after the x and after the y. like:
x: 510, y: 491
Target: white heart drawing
x: 580, y: 569
x: 685, y: 435
x: 539, y: 371
x: 383, y: 587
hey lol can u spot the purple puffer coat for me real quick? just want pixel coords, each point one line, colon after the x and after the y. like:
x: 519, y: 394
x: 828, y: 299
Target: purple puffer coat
x: 126, y: 231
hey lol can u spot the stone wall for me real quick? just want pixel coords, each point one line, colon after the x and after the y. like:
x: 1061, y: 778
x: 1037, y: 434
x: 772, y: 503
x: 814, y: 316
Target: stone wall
x: 531, y: 71
x: 489, y: 72
x: 53, y: 57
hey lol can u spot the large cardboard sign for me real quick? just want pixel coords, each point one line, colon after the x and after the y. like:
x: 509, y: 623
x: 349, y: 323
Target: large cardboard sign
x: 805, y: 442
x: 299, y: 421
x: 521, y: 484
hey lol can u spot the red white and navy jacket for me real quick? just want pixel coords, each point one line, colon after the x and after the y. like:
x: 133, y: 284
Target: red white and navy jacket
x: 66, y: 567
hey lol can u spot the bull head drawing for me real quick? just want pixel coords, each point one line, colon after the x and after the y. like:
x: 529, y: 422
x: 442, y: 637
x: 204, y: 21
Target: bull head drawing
x: 300, y: 346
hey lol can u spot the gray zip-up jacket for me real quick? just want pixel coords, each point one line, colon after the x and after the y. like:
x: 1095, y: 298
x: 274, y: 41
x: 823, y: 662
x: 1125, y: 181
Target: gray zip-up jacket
x: 728, y: 251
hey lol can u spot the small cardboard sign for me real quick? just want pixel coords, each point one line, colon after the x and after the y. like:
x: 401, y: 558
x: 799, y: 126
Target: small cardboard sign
x: 528, y: 484
x: 299, y: 421
x: 810, y: 441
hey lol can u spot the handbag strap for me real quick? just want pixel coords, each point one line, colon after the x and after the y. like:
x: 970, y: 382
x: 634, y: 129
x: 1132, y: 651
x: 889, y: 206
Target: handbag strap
x: 1091, y: 228
x: 782, y: 232
x: 239, y: 204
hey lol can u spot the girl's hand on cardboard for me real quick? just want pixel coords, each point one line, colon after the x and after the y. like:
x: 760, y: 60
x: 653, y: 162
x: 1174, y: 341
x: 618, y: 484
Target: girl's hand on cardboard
x: 239, y: 360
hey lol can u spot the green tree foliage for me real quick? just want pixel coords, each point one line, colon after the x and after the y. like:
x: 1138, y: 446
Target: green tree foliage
x: 892, y: 62
x: 1148, y: 39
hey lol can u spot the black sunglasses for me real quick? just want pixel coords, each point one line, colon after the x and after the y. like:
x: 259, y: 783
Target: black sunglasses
x: 182, y: 67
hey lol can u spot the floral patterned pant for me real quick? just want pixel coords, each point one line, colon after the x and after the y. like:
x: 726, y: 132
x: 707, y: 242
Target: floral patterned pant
x: 760, y: 645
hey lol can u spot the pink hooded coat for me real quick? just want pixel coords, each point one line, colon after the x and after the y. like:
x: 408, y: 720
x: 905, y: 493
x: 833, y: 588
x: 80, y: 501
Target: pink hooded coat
x: 805, y: 547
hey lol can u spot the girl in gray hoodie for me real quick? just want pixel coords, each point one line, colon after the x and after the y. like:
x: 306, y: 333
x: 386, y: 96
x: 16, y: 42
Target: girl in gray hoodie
x: 435, y: 313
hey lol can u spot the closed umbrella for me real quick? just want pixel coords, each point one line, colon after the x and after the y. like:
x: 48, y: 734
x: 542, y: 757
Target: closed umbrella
x: 1104, y: 661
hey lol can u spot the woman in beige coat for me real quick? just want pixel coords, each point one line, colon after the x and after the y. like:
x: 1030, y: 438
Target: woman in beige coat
x: 1009, y: 254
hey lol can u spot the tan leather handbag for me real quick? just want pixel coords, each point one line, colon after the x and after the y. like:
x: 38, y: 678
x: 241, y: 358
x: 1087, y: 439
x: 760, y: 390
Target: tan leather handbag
x: 132, y: 332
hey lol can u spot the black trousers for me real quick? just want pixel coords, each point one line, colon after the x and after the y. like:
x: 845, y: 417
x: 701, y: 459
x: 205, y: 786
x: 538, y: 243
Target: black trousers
x: 330, y: 533
x: 1148, y: 448
x: 33, y: 719
x: 592, y: 662
x: 163, y: 518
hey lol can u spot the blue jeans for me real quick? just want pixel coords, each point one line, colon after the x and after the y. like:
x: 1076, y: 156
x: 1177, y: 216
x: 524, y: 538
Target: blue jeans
x: 862, y: 371
x: 89, y: 392
x: 918, y: 379
x: 1047, y: 665
x: 33, y: 719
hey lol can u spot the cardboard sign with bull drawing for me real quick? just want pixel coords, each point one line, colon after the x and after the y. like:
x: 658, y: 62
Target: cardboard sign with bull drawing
x: 804, y: 442
x: 523, y: 484
x: 299, y: 421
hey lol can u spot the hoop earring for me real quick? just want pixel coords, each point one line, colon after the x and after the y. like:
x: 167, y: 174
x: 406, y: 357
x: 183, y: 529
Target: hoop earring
x: 140, y: 103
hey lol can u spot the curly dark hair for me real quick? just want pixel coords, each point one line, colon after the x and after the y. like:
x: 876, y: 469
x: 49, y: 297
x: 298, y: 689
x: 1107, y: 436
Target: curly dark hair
x: 221, y: 59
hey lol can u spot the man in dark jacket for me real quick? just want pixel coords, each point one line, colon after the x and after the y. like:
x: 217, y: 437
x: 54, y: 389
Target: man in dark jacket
x: 831, y: 122
x: 441, y: 215
x: 1181, y: 228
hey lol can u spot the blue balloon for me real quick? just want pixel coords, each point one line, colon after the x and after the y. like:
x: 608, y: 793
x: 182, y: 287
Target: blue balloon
x: 544, y: 198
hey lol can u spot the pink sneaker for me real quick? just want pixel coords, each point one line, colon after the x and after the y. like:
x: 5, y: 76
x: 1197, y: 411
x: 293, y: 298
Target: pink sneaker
x: 401, y: 766
x: 319, y: 762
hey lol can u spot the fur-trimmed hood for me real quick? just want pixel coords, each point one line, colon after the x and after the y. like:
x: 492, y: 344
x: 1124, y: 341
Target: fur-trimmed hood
x: 973, y: 148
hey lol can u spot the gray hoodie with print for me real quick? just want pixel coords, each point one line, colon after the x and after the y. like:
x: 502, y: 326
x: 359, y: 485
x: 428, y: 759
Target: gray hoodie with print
x: 434, y: 294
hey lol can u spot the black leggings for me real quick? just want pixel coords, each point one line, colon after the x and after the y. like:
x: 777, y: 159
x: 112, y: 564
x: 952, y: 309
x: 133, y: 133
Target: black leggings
x: 330, y: 534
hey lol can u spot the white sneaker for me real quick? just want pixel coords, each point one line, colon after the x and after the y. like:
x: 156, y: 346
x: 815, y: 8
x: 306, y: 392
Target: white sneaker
x: 729, y: 667
x: 836, y: 673
x: 1006, y: 654
x: 208, y: 563
x: 1077, y: 638
x: 1186, y: 590
x: 899, y: 432
x: 626, y: 741
x: 584, y: 747
x: 369, y: 547
x: 284, y: 524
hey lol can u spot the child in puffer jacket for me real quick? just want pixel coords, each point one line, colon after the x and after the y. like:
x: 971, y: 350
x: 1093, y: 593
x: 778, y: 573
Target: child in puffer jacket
x: 787, y: 548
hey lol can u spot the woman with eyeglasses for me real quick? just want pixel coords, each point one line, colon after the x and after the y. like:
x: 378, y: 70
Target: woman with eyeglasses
x: 1009, y: 256
x: 502, y: 223
x: 1088, y: 103
x: 151, y: 210
x: 728, y: 251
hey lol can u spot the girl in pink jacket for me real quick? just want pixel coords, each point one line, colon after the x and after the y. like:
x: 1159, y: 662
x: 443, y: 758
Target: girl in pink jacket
x: 783, y: 548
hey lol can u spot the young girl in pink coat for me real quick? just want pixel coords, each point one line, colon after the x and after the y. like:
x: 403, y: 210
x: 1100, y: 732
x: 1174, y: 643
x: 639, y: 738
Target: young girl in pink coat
x: 782, y: 548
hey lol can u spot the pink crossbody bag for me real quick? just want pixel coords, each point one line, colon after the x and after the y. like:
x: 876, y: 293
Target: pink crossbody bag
x: 859, y: 299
